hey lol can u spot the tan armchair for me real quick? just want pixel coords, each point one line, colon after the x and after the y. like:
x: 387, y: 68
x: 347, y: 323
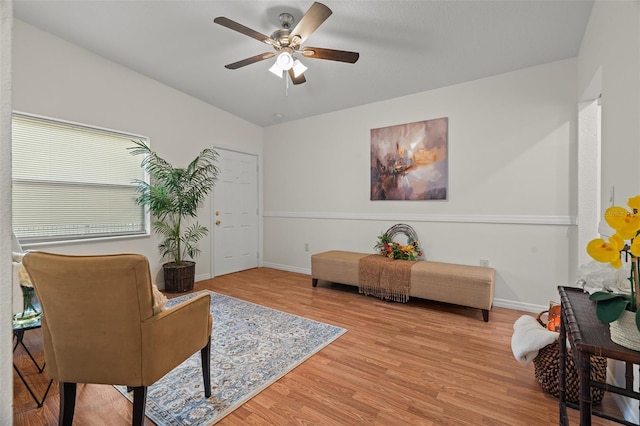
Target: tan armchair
x: 98, y: 326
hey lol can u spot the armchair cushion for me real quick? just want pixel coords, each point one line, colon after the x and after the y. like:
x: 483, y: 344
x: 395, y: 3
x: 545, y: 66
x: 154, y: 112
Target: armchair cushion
x: 159, y: 300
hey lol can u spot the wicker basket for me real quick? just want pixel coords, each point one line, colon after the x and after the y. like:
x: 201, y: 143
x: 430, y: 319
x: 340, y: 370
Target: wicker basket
x: 179, y: 278
x: 547, y: 367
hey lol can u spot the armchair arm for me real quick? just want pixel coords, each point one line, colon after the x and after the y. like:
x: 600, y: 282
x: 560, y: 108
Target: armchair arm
x: 173, y: 335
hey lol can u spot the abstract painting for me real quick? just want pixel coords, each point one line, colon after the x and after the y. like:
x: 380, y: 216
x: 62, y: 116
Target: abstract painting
x: 410, y: 161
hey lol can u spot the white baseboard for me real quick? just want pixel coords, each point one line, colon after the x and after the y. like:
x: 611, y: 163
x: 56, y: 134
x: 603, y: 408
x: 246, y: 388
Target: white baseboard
x: 519, y: 306
x: 287, y: 268
x: 203, y: 277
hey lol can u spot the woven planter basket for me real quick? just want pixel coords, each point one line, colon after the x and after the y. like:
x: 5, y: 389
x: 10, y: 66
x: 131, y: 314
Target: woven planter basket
x: 624, y: 331
x: 547, y: 367
x: 179, y: 278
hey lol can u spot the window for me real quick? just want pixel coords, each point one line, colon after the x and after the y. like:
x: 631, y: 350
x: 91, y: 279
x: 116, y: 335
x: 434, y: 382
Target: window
x: 73, y: 182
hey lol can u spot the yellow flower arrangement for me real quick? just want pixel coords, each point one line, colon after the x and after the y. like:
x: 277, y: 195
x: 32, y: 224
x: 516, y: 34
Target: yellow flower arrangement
x: 610, y: 306
x: 394, y: 250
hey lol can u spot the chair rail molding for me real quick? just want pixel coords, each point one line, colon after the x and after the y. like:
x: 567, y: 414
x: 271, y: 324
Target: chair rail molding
x: 452, y: 218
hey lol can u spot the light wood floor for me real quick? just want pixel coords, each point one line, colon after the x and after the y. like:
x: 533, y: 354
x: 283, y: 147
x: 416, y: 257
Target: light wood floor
x: 420, y: 363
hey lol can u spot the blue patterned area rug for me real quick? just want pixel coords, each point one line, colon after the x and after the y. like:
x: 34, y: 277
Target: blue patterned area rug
x: 251, y: 347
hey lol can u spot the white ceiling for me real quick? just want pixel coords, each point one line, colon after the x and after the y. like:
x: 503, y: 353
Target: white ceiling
x: 405, y: 46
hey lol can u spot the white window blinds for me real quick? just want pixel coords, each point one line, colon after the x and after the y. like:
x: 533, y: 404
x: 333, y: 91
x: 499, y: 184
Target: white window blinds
x: 72, y: 181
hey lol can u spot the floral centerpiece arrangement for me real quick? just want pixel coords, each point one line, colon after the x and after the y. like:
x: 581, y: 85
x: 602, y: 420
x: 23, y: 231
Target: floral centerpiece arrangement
x: 611, y: 306
x: 389, y: 248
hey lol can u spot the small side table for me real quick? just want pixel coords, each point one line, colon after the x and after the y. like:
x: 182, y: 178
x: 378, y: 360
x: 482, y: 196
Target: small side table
x: 588, y: 336
x: 18, y: 333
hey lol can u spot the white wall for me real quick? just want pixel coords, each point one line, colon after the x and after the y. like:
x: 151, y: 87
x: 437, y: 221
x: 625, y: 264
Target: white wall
x: 57, y: 79
x: 609, y: 64
x: 6, y: 340
x: 512, y: 200
x: 609, y: 61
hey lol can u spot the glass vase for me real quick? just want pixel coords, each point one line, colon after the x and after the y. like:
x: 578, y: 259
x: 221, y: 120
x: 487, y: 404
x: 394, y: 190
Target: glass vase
x: 31, y: 309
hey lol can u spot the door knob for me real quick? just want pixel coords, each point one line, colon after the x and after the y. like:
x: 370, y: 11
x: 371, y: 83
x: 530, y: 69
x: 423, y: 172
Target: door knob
x: 217, y: 222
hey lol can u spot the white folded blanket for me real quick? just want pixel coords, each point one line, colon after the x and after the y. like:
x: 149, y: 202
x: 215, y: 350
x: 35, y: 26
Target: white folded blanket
x: 529, y: 337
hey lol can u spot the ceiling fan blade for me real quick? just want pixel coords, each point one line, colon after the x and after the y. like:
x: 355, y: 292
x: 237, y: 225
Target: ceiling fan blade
x: 296, y: 80
x: 315, y: 16
x: 233, y: 25
x: 249, y: 61
x: 330, y: 54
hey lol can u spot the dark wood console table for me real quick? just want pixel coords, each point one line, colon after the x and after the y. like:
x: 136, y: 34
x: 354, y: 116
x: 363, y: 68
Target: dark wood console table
x: 588, y: 336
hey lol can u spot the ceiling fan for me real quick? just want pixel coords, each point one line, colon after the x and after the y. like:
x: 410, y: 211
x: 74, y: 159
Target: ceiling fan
x: 287, y: 42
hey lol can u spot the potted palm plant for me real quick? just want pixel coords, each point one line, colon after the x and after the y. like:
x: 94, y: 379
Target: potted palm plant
x: 173, y: 196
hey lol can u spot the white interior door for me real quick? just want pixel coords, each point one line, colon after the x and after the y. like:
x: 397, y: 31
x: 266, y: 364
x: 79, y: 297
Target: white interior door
x: 235, y: 209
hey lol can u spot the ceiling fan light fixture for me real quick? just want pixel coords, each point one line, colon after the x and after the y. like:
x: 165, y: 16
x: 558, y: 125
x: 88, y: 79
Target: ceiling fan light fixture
x: 285, y: 61
x: 298, y: 68
x: 275, y: 69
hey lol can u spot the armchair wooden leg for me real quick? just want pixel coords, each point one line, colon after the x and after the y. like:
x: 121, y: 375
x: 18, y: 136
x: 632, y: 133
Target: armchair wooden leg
x: 67, y: 403
x: 139, y: 405
x: 205, y: 355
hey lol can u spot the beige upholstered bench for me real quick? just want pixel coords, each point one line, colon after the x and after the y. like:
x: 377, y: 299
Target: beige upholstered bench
x: 471, y: 286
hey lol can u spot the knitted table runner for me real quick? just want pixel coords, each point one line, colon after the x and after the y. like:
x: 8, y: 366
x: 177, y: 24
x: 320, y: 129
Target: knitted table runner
x: 384, y: 277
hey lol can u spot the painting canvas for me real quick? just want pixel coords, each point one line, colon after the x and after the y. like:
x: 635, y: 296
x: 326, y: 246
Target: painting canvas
x: 409, y: 161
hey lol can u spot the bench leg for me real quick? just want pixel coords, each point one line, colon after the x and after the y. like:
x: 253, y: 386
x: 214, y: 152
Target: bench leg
x: 314, y: 282
x: 485, y: 315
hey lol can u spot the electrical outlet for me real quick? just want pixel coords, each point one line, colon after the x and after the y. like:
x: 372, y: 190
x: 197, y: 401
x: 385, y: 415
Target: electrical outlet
x: 306, y: 246
x: 484, y: 262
